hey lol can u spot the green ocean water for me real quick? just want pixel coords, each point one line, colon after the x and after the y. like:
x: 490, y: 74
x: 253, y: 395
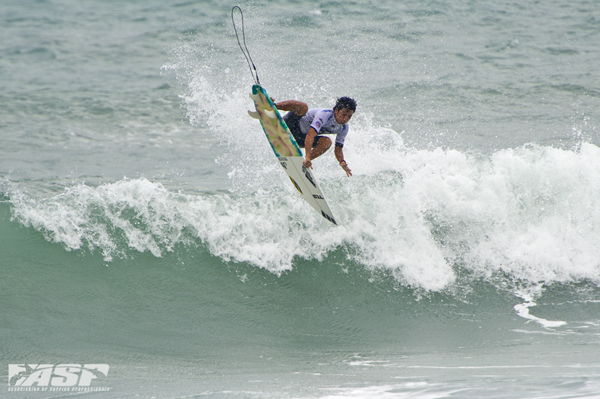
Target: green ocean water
x: 188, y: 324
x: 146, y: 226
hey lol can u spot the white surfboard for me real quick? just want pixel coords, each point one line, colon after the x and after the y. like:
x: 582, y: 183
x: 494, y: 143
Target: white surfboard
x: 306, y: 183
x: 288, y: 152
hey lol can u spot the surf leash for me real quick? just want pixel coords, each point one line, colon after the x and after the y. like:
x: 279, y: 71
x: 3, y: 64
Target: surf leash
x: 244, y: 49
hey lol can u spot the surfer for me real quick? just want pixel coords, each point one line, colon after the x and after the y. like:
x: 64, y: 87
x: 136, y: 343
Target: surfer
x: 310, y: 125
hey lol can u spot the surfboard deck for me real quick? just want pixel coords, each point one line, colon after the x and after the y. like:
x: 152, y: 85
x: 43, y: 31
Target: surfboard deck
x: 288, y: 152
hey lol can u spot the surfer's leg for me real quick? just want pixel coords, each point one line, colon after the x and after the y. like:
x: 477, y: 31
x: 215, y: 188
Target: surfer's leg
x: 322, y: 145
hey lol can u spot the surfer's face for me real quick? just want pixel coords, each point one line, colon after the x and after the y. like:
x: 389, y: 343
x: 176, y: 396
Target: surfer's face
x: 343, y: 115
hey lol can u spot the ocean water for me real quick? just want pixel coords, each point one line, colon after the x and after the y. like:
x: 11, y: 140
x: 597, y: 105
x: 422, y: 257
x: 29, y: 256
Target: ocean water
x: 146, y: 226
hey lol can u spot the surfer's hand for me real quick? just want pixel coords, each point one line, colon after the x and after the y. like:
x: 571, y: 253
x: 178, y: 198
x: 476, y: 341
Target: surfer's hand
x: 344, y: 166
x: 307, y: 163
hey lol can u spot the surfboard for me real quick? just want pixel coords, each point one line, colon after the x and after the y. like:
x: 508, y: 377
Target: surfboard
x: 288, y: 152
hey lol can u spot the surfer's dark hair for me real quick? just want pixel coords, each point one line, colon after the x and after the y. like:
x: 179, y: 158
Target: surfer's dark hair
x: 345, y: 102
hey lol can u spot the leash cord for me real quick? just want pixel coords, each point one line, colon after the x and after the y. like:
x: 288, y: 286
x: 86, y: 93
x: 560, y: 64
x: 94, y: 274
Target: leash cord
x: 244, y: 49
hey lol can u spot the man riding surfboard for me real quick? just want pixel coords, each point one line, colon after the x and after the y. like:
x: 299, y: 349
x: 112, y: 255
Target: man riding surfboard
x: 310, y: 125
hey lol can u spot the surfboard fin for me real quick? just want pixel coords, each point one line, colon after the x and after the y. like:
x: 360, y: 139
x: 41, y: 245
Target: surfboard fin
x: 254, y: 114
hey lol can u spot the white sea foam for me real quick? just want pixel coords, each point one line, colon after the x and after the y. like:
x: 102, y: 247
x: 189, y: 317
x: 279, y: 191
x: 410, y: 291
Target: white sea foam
x: 419, y: 389
x: 530, y: 213
x: 522, y: 309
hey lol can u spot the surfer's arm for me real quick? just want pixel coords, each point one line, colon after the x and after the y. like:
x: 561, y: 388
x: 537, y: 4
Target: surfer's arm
x: 298, y: 107
x: 339, y: 155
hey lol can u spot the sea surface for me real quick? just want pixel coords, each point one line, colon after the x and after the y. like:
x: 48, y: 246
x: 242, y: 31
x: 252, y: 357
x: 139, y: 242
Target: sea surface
x: 146, y: 229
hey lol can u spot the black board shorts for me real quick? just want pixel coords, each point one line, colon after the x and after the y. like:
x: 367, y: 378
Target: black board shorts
x: 293, y: 123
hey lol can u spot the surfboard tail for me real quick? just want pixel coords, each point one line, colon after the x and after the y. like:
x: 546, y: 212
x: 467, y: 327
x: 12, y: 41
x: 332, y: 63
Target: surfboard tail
x: 307, y: 185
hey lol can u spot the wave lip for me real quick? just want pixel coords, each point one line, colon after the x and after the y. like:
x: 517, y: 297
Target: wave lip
x: 531, y: 214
